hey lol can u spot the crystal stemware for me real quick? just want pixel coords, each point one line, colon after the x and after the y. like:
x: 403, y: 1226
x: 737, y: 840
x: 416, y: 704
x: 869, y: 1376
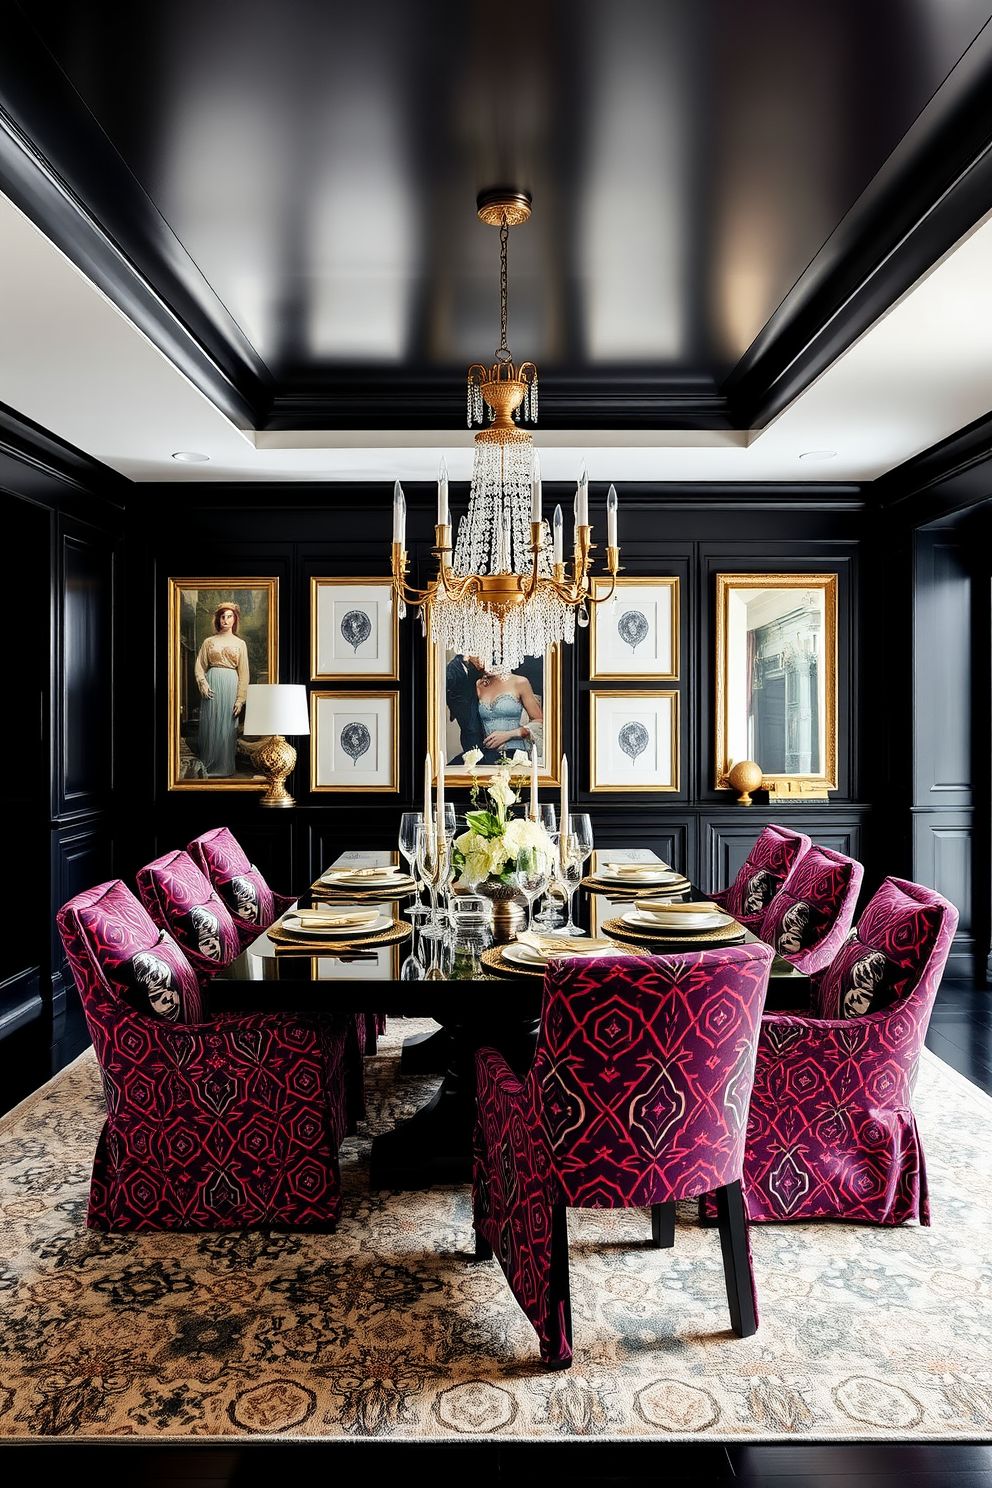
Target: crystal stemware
x: 569, y: 872
x: 531, y: 875
x: 435, y: 868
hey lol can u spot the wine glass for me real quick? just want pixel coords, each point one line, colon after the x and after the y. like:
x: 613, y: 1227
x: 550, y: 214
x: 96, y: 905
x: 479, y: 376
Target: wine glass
x: 434, y: 866
x: 580, y: 827
x: 531, y: 875
x: 570, y: 872
x: 547, y: 815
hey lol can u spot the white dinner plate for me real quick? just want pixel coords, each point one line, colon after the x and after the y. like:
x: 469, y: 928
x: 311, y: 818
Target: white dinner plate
x: 367, y: 881
x: 634, y: 881
x: 524, y: 956
x: 641, y: 920
x: 341, y: 932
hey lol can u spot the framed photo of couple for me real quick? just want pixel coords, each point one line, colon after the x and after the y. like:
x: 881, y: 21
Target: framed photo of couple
x: 470, y: 708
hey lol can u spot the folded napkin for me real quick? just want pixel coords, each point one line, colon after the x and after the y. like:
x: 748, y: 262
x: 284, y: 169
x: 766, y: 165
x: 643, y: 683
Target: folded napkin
x: 563, y: 945
x: 637, y: 870
x: 652, y: 906
x: 317, y: 919
x: 386, y: 869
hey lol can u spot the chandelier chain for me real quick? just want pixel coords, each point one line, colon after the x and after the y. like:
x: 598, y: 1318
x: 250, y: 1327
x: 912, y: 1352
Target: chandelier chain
x: 503, y: 353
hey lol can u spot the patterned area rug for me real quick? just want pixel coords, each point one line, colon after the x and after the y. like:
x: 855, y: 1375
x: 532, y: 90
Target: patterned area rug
x: 389, y: 1329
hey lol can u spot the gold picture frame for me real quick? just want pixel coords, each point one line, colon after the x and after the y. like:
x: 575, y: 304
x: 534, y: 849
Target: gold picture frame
x: 192, y: 604
x: 459, y: 725
x: 354, y: 742
x: 776, y: 635
x: 636, y: 639
x: 354, y: 630
x: 634, y: 740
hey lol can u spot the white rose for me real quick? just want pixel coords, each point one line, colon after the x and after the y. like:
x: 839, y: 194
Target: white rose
x: 471, y: 758
x: 519, y: 758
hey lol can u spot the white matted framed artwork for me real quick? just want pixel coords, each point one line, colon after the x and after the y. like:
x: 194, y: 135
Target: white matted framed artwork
x: 635, y: 634
x: 354, y: 629
x: 354, y: 741
x: 634, y: 741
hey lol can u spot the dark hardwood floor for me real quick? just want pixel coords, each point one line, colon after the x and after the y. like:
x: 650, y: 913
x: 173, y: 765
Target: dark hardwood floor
x: 960, y: 1033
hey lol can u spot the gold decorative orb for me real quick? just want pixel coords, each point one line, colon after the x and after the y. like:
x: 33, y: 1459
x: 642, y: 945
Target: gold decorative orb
x: 745, y: 777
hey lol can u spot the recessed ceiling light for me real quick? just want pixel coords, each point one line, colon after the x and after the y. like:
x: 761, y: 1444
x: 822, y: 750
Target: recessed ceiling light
x: 190, y: 457
x: 818, y: 455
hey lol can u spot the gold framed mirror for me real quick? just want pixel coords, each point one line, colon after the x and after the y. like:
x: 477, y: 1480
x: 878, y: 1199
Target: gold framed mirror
x: 776, y: 677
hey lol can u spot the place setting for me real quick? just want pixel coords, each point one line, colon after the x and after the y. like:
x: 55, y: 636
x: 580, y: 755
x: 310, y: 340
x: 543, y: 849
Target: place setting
x: 345, y: 927
x: 628, y: 880
x: 376, y: 881
x: 693, y: 924
x: 531, y: 952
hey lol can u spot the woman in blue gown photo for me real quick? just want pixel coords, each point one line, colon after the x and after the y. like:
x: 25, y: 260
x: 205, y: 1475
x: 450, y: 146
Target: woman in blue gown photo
x: 221, y: 673
x: 510, y: 714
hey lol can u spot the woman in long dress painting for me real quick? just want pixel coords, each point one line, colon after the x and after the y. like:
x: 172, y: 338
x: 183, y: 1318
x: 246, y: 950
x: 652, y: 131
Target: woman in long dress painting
x: 221, y: 673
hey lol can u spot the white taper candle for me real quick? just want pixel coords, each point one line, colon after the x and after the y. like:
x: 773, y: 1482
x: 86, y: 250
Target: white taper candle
x: 533, y: 782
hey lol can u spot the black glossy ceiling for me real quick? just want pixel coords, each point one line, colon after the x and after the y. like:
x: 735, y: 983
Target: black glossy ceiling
x: 296, y: 181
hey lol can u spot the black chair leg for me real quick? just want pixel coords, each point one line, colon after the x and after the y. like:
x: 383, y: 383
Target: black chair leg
x: 559, y: 1292
x: 663, y: 1225
x: 483, y: 1250
x: 732, y: 1223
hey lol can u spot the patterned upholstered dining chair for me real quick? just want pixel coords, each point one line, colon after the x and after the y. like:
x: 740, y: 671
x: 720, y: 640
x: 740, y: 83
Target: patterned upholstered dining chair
x: 637, y: 1096
x: 831, y: 1132
x: 766, y: 869
x: 250, y: 902
x: 808, y: 919
x: 229, y: 1123
x: 180, y: 900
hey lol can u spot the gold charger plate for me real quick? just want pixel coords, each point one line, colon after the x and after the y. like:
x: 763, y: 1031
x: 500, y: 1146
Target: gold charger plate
x: 720, y: 935
x: 327, y: 945
x: 493, y: 958
x: 320, y: 890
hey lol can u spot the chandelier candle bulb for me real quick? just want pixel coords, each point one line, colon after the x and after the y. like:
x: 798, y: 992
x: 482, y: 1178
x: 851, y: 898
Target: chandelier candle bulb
x: 557, y: 529
x: 582, y: 500
x: 442, y: 494
x: 399, y: 516
x: 611, y: 517
x: 535, y: 491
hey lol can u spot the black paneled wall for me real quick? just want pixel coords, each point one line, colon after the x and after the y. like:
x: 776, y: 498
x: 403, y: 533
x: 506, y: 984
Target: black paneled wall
x: 295, y: 532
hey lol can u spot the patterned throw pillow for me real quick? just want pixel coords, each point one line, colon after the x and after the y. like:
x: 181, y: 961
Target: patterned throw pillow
x: 759, y: 891
x: 211, y: 935
x: 159, y: 982
x: 863, y: 980
x: 248, y: 897
x: 798, y: 928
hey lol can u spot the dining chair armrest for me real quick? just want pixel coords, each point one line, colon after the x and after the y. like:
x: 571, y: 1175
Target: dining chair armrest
x: 874, y: 1056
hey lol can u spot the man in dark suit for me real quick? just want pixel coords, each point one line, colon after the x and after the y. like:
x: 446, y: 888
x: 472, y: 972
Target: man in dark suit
x: 462, y: 699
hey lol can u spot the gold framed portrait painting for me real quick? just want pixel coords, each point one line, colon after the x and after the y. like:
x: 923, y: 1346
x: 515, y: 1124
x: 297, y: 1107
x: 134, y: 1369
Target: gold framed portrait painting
x: 776, y: 676
x: 223, y: 635
x: 468, y: 707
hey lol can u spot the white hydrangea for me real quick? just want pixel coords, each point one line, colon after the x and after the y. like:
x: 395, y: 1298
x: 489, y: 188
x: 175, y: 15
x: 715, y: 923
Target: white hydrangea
x: 471, y: 758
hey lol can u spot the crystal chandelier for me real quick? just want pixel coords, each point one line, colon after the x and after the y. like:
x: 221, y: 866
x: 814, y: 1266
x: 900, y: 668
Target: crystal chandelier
x: 505, y: 591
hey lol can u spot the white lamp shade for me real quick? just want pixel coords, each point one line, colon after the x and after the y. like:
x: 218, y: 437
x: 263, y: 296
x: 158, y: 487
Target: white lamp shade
x: 276, y: 708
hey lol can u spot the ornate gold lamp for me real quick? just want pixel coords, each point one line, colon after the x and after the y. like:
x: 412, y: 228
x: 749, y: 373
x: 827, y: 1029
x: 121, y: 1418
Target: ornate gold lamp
x: 276, y: 709
x: 505, y: 591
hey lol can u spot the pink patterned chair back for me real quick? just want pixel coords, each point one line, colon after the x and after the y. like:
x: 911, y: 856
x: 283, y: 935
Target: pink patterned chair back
x: 811, y: 914
x: 638, y: 1095
x: 766, y: 870
x: 210, y: 1125
x: 182, y: 901
x: 252, y: 904
x: 831, y: 1132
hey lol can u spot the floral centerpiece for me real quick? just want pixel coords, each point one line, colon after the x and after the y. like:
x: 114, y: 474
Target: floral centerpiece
x: 485, y: 855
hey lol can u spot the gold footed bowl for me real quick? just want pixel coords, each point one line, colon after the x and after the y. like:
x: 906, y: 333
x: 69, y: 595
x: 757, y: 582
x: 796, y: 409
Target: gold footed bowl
x: 509, y: 909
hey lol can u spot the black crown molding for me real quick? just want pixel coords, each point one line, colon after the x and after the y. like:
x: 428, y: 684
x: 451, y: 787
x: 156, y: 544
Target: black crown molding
x: 35, y: 463
x: 619, y: 398
x: 59, y: 167
x: 932, y: 190
x: 950, y: 477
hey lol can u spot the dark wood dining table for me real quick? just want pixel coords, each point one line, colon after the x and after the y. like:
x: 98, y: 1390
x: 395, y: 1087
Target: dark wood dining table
x: 494, y: 1009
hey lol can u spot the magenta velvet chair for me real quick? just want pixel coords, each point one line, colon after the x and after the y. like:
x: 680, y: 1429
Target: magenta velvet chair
x: 231, y: 1123
x: 637, y: 1096
x: 811, y: 914
x: 766, y: 869
x: 831, y: 1132
x: 253, y: 906
x: 179, y: 898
